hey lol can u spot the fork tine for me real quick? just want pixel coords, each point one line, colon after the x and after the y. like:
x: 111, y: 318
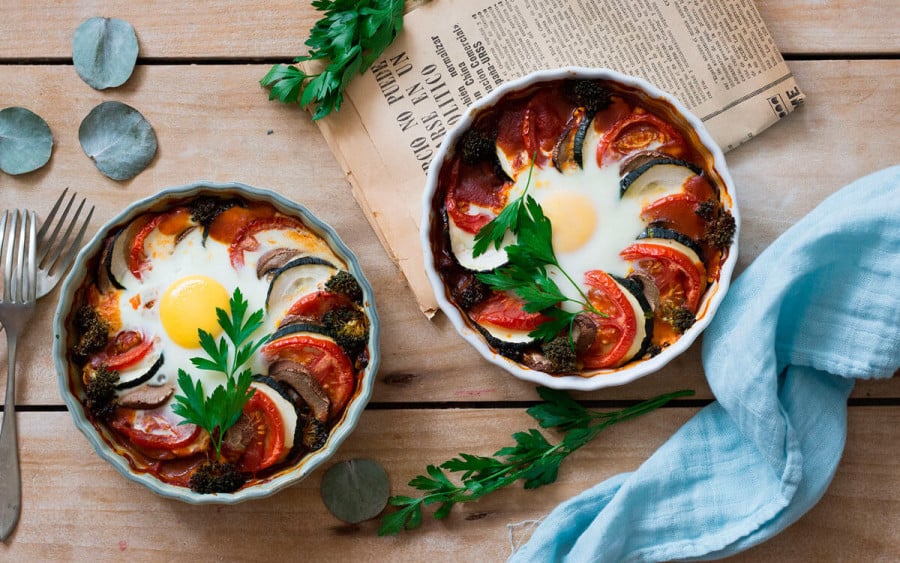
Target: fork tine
x: 17, y: 240
x: 6, y: 267
x: 31, y: 260
x: 47, y: 243
x: 60, y: 244
x: 62, y: 260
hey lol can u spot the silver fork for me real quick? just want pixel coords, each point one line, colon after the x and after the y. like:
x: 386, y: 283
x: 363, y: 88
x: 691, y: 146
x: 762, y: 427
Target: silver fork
x: 18, y: 247
x: 56, y: 255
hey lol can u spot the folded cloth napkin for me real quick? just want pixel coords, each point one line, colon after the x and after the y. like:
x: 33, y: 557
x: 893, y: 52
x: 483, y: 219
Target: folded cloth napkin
x: 818, y: 308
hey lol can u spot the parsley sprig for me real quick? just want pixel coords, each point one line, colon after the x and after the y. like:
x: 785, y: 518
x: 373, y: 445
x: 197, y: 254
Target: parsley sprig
x: 525, y: 272
x: 532, y: 459
x: 350, y: 37
x: 221, y: 410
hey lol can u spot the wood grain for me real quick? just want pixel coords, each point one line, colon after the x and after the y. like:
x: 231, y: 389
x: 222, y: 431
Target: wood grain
x: 76, y: 507
x: 227, y: 131
x: 42, y: 29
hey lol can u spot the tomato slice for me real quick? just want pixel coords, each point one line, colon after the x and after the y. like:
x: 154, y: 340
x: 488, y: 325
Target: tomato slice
x: 506, y: 310
x: 639, y: 131
x: 245, y: 239
x: 156, y: 429
x: 325, y: 359
x: 474, y: 185
x: 126, y: 349
x: 267, y: 445
x: 677, y: 212
x: 680, y: 280
x: 314, y: 305
x: 228, y: 223
x: 137, y: 257
x: 615, y: 332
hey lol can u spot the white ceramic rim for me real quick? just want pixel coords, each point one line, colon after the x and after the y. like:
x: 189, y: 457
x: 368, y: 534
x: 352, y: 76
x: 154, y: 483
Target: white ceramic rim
x: 287, y: 477
x: 603, y: 378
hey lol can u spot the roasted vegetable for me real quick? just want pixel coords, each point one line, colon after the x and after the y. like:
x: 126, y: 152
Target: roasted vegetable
x: 347, y: 326
x: 470, y: 291
x: 314, y: 433
x: 93, y: 332
x: 205, y: 209
x: 344, y: 282
x: 681, y: 318
x: 100, y: 391
x: 719, y: 232
x: 476, y: 146
x: 591, y: 95
x: 214, y: 477
x: 561, y: 355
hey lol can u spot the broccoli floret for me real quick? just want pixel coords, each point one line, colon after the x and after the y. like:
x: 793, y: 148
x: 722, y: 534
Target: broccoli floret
x: 93, y: 332
x: 706, y: 210
x: 561, y: 355
x: 315, y: 433
x: 470, y: 291
x: 205, y: 209
x: 214, y: 477
x: 344, y: 282
x: 681, y: 318
x: 654, y: 350
x: 100, y: 392
x: 591, y: 95
x: 476, y: 146
x: 349, y: 329
x: 719, y: 232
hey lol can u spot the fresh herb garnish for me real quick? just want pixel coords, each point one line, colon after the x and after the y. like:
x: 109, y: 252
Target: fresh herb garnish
x: 525, y: 272
x: 350, y: 37
x: 221, y: 410
x: 533, y: 459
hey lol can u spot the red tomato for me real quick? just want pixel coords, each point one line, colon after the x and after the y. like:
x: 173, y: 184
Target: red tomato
x: 137, y: 258
x: 314, y: 305
x: 156, y: 429
x: 126, y: 349
x: 615, y: 332
x: 325, y: 359
x: 680, y: 280
x: 677, y: 212
x: 506, y: 310
x: 474, y: 184
x: 227, y: 224
x: 245, y: 239
x: 639, y: 131
x: 267, y: 445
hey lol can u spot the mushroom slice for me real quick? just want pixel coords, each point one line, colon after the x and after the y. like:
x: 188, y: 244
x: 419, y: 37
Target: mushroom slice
x: 305, y: 383
x: 274, y: 259
x: 584, y: 332
x: 147, y: 397
x: 238, y: 437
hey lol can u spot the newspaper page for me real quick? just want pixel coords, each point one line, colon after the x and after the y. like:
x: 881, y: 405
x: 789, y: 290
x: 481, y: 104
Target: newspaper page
x: 716, y: 56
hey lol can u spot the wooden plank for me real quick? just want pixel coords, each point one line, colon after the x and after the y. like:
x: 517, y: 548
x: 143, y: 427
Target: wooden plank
x: 214, y: 29
x: 221, y: 132
x: 76, y: 507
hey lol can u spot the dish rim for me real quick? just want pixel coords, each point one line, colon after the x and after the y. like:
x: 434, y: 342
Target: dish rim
x: 601, y: 378
x: 286, y: 477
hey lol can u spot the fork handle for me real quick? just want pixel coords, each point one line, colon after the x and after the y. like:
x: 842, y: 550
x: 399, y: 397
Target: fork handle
x: 10, y: 480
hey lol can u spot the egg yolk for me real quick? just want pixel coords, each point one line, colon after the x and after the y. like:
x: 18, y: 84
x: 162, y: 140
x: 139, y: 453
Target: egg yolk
x: 190, y: 304
x: 573, y: 217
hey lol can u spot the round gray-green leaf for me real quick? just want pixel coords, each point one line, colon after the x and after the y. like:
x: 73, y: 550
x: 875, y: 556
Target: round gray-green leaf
x: 104, y: 51
x: 25, y: 141
x: 355, y: 490
x: 119, y: 140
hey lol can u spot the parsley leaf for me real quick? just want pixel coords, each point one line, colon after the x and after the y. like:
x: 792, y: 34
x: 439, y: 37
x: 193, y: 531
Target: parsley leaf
x: 533, y: 459
x: 350, y: 37
x: 525, y: 272
x: 220, y: 410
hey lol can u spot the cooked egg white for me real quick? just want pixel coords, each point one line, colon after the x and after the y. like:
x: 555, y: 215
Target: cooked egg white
x: 178, y: 294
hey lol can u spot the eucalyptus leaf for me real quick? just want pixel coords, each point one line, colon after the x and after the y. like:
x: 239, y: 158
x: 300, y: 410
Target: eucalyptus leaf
x: 104, y: 51
x: 355, y: 490
x: 25, y: 141
x: 119, y: 140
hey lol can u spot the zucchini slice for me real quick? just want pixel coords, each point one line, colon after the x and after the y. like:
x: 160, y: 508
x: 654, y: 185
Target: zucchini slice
x: 671, y: 234
x: 657, y: 178
x: 295, y: 279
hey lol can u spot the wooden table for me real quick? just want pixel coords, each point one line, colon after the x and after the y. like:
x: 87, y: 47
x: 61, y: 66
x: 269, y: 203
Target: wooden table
x: 196, y: 82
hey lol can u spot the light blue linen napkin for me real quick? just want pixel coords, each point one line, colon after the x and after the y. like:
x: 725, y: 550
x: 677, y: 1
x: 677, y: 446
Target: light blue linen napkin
x: 818, y: 308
